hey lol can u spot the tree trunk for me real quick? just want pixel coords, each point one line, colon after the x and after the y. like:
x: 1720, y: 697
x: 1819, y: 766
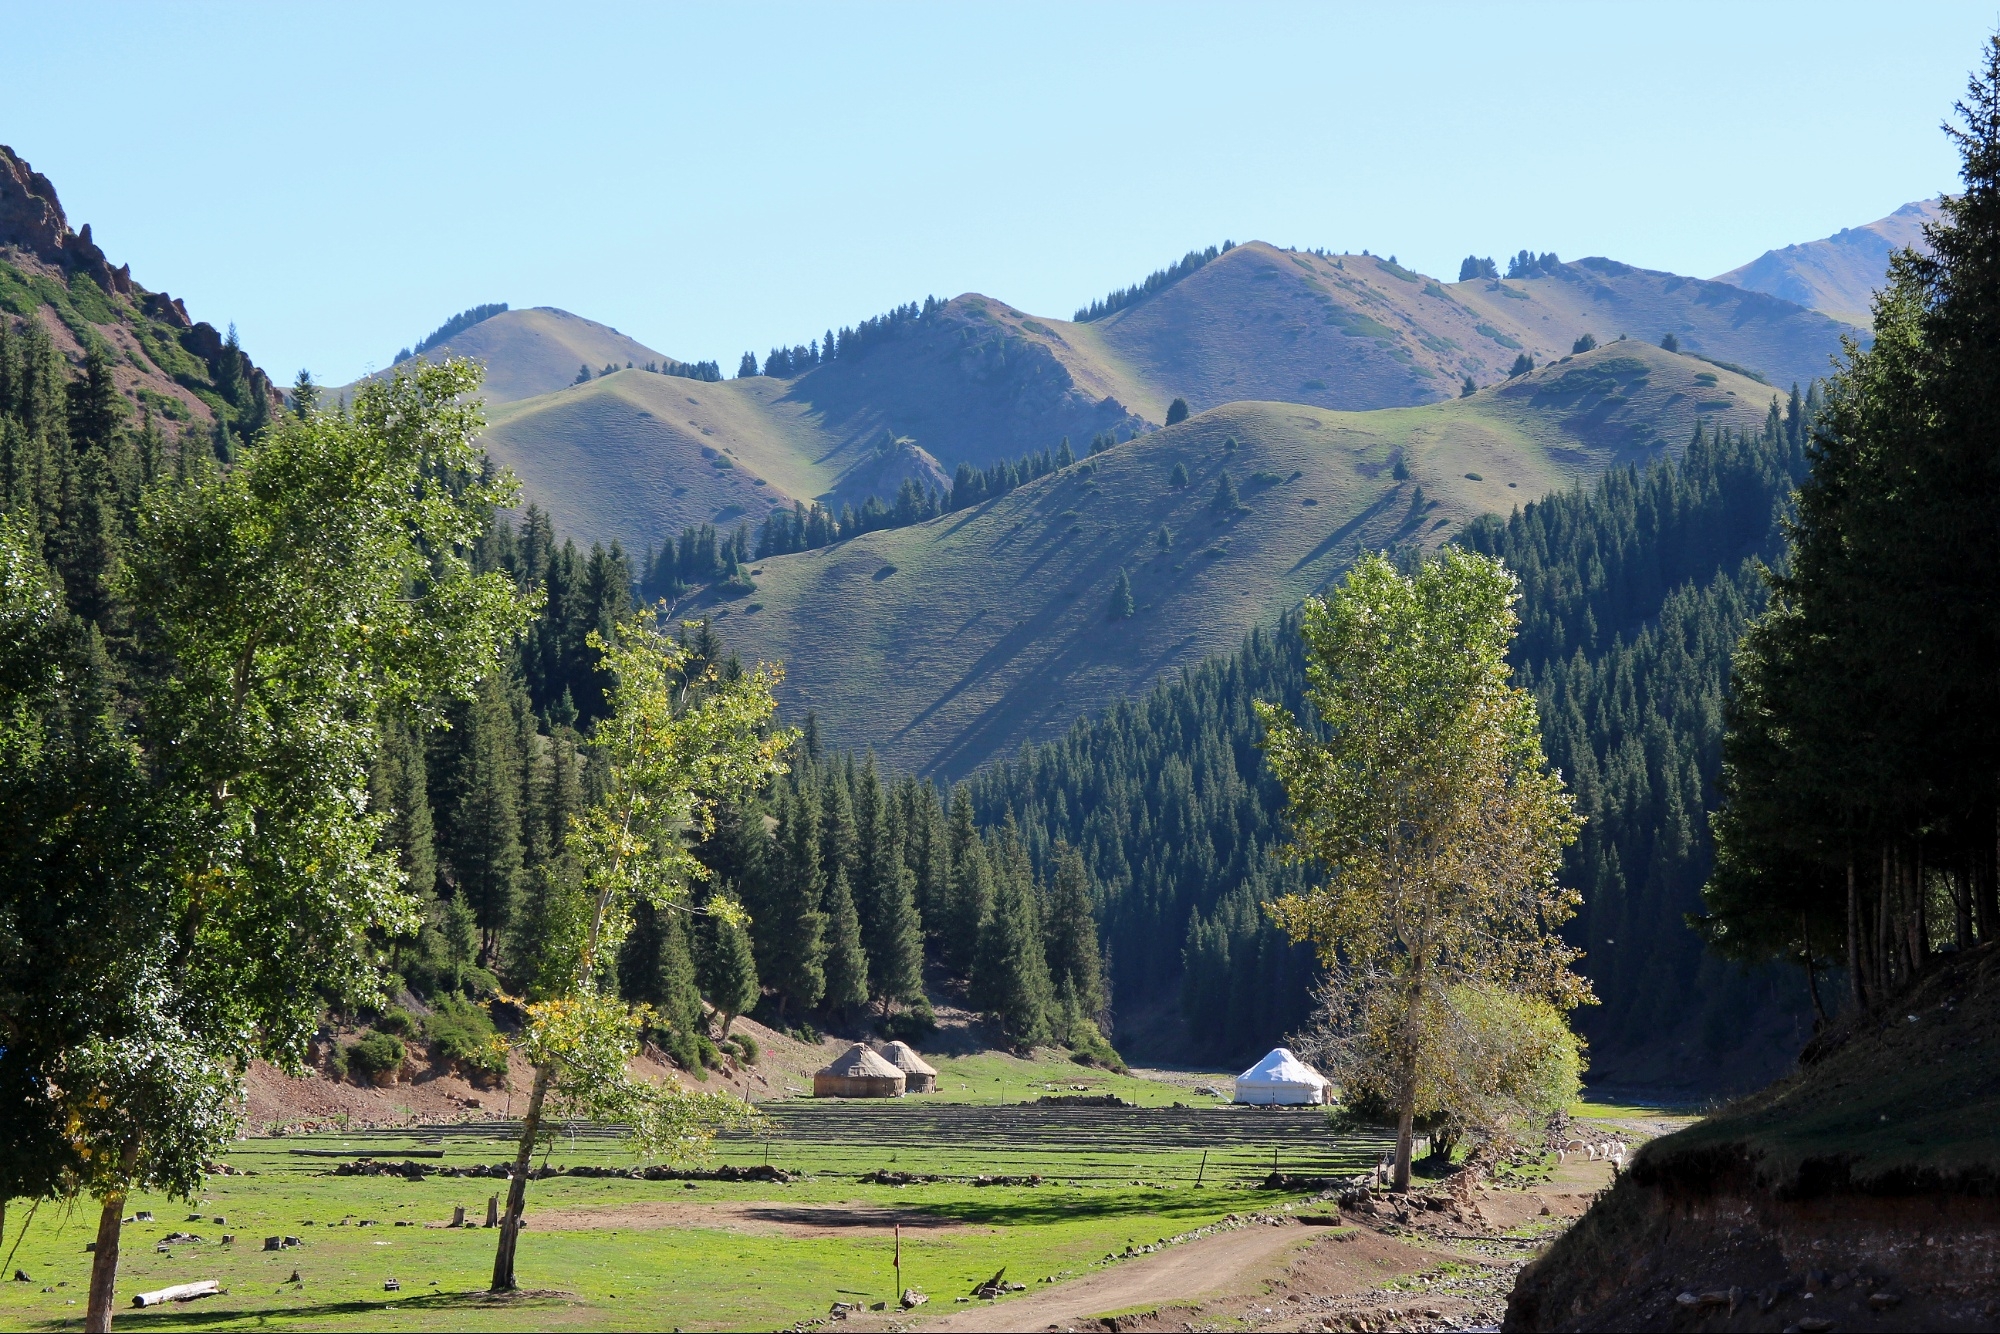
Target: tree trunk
x: 1963, y: 878
x: 104, y: 1263
x: 1812, y: 976
x: 1854, y: 939
x: 1406, y: 1099
x: 517, y: 1186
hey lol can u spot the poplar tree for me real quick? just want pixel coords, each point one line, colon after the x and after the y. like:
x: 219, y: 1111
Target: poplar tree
x: 1429, y: 805
x: 678, y: 740
x: 288, y: 602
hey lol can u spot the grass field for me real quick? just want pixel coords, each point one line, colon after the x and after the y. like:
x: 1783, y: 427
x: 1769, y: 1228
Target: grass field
x: 623, y: 1253
x: 960, y: 638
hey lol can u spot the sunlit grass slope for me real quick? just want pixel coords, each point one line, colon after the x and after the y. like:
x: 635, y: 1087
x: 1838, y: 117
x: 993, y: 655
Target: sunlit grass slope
x: 948, y: 643
x: 637, y: 456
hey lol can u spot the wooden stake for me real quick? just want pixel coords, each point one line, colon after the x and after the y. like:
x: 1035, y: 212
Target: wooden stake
x: 1202, y: 1170
x: 899, y: 1262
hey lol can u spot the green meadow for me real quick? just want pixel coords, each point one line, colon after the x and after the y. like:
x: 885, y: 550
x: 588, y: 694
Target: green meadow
x: 618, y: 1252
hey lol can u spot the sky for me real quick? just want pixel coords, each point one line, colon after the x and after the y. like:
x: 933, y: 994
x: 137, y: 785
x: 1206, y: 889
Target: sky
x: 337, y: 180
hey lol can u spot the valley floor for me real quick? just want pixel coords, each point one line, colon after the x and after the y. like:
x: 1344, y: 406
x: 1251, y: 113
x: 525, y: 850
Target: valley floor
x: 1156, y: 1213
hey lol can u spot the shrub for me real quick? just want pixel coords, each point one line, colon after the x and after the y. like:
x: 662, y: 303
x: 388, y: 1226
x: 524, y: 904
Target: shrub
x: 462, y: 1033
x: 1265, y: 479
x: 910, y: 1024
x: 1583, y: 344
x: 748, y: 1046
x: 396, y: 1020
x: 376, y: 1054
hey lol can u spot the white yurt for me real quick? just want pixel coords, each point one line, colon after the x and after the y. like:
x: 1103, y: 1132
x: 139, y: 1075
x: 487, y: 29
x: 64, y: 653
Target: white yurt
x: 1281, y: 1080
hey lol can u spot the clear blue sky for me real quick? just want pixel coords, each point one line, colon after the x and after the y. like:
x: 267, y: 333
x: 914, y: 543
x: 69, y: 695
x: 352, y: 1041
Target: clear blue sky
x: 337, y: 179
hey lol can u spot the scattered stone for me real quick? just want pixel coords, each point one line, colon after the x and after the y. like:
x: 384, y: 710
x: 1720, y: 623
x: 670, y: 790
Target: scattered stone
x: 1883, y: 1301
x: 912, y: 1298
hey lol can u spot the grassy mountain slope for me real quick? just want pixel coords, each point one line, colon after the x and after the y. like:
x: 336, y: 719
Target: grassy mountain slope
x: 974, y: 382
x: 538, y: 351
x: 1785, y: 342
x: 947, y: 643
x: 636, y: 456
x: 1838, y: 274
x: 162, y: 361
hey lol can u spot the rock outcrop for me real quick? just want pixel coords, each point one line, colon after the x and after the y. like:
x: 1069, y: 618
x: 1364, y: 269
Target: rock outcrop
x: 31, y: 217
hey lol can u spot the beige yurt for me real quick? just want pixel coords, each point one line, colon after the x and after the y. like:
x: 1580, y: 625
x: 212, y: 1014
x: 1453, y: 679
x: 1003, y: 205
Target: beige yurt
x: 858, y: 1073
x: 919, y: 1075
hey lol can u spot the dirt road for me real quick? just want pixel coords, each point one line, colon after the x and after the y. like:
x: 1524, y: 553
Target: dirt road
x: 1214, y: 1266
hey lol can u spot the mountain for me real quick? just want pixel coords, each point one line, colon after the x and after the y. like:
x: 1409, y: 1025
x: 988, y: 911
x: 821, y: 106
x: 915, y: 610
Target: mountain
x: 1355, y: 332
x: 974, y: 380
x: 540, y: 351
x: 1839, y: 274
x: 163, y: 364
x: 952, y: 641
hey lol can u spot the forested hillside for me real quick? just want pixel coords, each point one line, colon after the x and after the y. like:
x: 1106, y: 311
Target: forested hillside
x: 967, y: 635
x: 1633, y: 596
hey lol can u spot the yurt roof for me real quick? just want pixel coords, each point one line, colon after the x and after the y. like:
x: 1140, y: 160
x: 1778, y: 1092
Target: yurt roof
x: 904, y: 1057
x: 1281, y: 1067
x: 858, y: 1062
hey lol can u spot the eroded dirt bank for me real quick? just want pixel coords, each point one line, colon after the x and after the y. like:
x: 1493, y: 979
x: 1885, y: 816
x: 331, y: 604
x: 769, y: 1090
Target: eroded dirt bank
x: 1862, y: 1192
x: 1658, y: 1257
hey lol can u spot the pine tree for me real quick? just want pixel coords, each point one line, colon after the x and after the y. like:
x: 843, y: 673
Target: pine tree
x: 1225, y: 501
x: 1063, y: 455
x: 398, y: 788
x: 969, y: 891
x: 1670, y: 343
x: 1179, y: 476
x: 794, y: 931
x: 725, y: 968
x: 1523, y: 363
x: 847, y: 984
x: 1586, y: 343
x: 1075, y: 963
x: 482, y: 853
x: 1468, y: 389
x: 1177, y: 412
x: 1122, y: 606
x: 1010, y: 972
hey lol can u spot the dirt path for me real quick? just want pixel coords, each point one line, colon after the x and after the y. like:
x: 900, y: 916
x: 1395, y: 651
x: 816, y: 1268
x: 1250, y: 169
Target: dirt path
x: 1214, y: 1266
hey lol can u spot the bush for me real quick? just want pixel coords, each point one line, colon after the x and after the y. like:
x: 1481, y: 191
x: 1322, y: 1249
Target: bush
x: 376, y: 1054
x: 396, y: 1020
x: 1582, y: 345
x: 748, y: 1046
x: 708, y: 1056
x: 462, y: 1033
x: 1088, y: 1046
x: 909, y: 1025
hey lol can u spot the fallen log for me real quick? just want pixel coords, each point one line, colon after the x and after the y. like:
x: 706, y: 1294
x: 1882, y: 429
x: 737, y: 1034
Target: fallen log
x: 180, y: 1292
